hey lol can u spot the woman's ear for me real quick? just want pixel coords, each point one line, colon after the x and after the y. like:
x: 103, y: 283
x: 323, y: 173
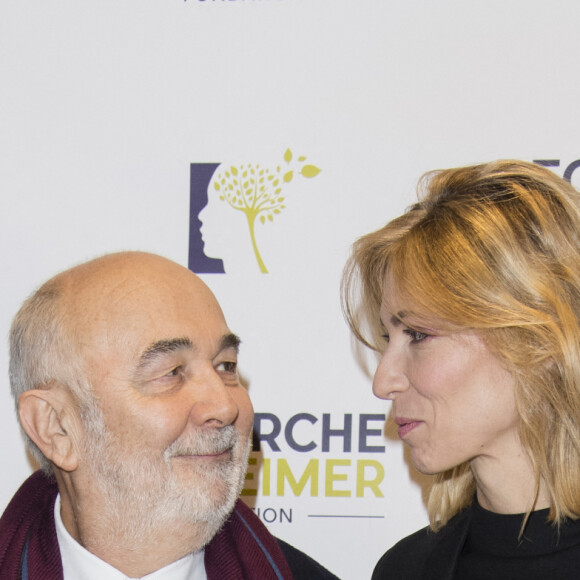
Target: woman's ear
x: 48, y: 418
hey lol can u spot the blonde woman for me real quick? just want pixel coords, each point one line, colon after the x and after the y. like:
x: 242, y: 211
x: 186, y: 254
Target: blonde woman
x: 473, y: 299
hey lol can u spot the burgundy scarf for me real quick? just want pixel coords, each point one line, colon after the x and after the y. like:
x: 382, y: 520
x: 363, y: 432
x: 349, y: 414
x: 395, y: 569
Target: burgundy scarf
x: 242, y: 550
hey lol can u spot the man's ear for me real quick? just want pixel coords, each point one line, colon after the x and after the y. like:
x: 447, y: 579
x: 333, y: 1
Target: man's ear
x: 48, y: 417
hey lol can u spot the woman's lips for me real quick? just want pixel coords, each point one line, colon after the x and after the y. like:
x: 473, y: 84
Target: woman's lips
x: 406, y: 426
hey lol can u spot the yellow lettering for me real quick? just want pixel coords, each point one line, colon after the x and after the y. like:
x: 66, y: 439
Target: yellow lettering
x: 372, y: 484
x: 252, y: 461
x: 331, y: 477
x: 284, y: 473
x: 265, y: 477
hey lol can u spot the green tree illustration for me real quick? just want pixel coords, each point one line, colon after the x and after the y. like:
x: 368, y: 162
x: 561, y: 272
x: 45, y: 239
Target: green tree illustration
x: 257, y: 191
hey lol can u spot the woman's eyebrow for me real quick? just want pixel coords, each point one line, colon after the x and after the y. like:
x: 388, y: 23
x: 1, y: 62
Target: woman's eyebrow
x: 397, y: 319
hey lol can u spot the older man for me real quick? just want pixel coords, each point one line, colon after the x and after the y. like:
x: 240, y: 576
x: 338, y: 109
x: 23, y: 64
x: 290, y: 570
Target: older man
x: 125, y: 376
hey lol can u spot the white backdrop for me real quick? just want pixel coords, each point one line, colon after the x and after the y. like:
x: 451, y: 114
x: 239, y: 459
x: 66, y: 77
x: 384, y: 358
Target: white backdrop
x: 105, y: 105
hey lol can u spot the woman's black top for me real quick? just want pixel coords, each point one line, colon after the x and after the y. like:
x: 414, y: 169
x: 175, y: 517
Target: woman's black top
x: 480, y: 545
x: 495, y: 550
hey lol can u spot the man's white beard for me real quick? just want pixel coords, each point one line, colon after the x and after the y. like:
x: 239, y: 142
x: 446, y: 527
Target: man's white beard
x: 143, y: 496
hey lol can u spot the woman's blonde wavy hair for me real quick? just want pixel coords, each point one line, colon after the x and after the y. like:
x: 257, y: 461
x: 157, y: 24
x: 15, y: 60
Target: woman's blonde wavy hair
x: 493, y: 247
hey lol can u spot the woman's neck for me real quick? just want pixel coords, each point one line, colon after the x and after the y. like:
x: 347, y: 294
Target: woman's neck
x: 507, y: 485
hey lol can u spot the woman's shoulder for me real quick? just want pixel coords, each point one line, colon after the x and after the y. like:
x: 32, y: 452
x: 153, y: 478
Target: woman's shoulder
x: 407, y: 559
x: 407, y: 556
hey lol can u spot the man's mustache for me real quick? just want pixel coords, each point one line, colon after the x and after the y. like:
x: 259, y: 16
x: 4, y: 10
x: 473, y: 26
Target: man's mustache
x: 210, y: 442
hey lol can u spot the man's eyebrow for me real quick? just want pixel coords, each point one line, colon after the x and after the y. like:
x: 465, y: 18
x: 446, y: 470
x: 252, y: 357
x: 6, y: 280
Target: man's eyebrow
x: 167, y: 346
x: 230, y: 340
x: 162, y: 347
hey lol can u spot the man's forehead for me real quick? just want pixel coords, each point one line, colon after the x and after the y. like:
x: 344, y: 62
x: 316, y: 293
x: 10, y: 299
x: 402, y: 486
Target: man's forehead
x: 130, y: 277
x: 139, y: 300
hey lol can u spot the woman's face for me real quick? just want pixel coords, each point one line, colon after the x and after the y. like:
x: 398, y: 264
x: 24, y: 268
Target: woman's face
x: 452, y: 399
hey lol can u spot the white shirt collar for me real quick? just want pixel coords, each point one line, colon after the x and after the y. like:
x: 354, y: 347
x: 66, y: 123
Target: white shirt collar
x: 78, y: 562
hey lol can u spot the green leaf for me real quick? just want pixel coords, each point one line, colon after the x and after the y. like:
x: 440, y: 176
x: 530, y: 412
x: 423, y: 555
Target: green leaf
x: 262, y: 219
x: 288, y: 156
x: 310, y: 171
x: 270, y: 217
x: 288, y: 176
x: 222, y: 198
x: 216, y: 186
x: 234, y: 170
x: 275, y: 183
x: 302, y: 158
x: 276, y: 211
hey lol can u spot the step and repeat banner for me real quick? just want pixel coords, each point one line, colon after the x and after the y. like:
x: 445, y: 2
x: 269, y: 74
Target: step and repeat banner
x: 253, y: 141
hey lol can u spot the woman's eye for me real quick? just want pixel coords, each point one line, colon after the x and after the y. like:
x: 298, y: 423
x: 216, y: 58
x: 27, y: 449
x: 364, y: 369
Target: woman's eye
x: 415, y: 335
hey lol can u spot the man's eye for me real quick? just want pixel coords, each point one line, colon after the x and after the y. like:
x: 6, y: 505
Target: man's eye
x: 385, y: 337
x: 415, y: 335
x: 228, y: 367
x: 174, y: 372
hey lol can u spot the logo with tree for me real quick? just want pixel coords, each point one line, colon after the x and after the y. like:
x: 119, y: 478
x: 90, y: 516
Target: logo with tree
x: 259, y: 192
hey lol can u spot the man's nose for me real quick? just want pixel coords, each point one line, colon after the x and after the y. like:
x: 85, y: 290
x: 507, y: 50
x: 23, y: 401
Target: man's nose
x: 390, y: 377
x: 213, y: 401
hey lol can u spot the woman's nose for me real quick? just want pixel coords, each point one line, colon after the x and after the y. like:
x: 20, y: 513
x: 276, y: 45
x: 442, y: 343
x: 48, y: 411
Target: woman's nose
x: 390, y: 376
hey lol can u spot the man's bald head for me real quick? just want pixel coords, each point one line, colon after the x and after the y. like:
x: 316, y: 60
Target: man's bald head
x: 55, y: 329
